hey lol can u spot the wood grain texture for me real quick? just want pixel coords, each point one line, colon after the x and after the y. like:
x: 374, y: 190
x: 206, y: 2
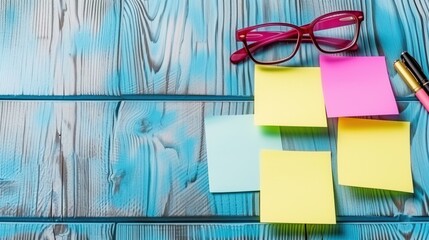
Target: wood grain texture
x: 170, y: 47
x: 114, y: 159
x: 81, y: 231
x: 30, y: 166
x: 210, y: 231
x: 144, y: 159
x: 165, y: 47
x: 86, y: 135
x: 65, y: 47
x: 394, y: 231
x: 148, y: 159
x: 154, y: 163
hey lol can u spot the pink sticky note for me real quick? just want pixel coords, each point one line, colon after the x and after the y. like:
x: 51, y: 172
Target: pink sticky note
x: 356, y: 86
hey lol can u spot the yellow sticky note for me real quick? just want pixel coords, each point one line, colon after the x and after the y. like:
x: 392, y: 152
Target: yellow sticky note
x: 289, y: 96
x: 296, y: 187
x: 374, y: 154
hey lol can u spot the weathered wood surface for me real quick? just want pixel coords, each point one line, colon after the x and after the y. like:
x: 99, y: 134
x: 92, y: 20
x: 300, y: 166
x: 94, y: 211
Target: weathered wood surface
x: 30, y: 167
x: 65, y: 47
x: 161, y: 231
x: 9, y: 231
x: 148, y: 159
x: 210, y: 231
x: 144, y: 159
x: 393, y: 231
x: 170, y: 47
x: 117, y: 47
x: 274, y: 231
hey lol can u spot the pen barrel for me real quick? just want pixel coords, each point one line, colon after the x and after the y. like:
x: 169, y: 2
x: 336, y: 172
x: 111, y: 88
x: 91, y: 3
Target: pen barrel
x: 407, y: 76
x: 423, y: 98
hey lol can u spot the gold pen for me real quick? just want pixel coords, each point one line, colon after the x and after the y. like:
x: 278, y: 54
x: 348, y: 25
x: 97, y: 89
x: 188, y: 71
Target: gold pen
x: 412, y: 83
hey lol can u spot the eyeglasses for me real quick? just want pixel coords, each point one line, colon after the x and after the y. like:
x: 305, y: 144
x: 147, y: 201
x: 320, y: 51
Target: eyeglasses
x: 273, y: 43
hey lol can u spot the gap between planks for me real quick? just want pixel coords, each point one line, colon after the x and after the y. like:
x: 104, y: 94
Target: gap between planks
x: 205, y: 220
x: 191, y: 98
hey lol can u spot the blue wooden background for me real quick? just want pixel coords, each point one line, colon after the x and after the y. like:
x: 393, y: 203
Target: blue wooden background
x: 102, y: 112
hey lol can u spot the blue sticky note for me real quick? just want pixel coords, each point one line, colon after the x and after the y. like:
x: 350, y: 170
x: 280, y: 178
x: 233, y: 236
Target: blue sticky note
x: 233, y: 146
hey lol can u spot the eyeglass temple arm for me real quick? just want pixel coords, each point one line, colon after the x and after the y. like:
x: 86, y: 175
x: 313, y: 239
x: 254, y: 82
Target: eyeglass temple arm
x: 266, y: 38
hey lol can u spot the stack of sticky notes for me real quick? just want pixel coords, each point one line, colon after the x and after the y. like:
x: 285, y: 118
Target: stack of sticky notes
x: 245, y: 152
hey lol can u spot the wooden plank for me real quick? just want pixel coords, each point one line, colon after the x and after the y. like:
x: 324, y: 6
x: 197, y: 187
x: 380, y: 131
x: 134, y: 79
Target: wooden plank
x: 59, y: 47
x: 86, y: 148
x: 148, y: 159
x: 403, y: 230
x: 210, y: 231
x: 67, y: 48
x: 30, y: 160
x: 143, y: 159
x: 15, y: 230
x: 406, y: 230
x: 170, y: 47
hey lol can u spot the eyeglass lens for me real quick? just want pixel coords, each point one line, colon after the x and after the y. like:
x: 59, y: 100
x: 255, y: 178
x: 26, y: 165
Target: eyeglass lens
x: 336, y: 33
x: 272, y: 43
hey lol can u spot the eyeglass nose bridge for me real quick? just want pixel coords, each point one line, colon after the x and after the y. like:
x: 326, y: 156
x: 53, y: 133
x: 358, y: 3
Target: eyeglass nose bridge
x: 306, y: 34
x: 305, y: 29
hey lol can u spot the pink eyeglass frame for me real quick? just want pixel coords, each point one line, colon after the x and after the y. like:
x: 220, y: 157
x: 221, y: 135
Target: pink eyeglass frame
x: 305, y: 34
